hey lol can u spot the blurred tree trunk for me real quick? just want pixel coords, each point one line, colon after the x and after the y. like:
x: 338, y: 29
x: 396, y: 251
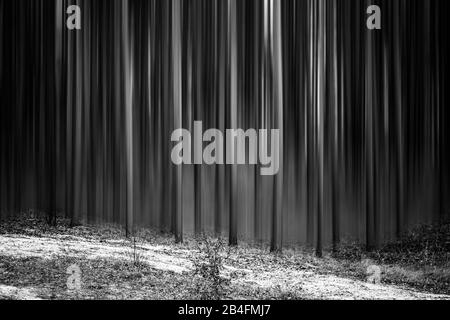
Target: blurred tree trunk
x: 369, y: 156
x: 277, y: 218
x: 320, y: 118
x: 233, y: 118
x: 178, y: 113
x: 334, y: 132
x: 77, y: 133
x: 127, y: 65
x: 399, y: 124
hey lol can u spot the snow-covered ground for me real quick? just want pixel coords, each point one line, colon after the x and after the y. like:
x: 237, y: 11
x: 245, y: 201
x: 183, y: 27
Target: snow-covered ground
x: 177, y: 260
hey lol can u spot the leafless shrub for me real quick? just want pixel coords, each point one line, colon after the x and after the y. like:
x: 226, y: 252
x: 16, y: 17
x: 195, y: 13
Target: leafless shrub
x: 209, y: 281
x: 135, y: 252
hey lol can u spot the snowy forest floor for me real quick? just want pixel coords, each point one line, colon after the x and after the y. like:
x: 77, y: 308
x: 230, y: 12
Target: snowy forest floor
x: 34, y: 259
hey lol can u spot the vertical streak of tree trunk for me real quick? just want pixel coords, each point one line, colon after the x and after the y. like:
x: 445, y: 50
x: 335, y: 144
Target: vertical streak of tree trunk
x: 320, y: 119
x: 77, y: 134
x: 334, y: 139
x: 128, y: 84
x: 178, y: 112
x: 399, y: 124
x: 276, y: 241
x: 233, y: 118
x: 221, y: 113
x: 369, y: 106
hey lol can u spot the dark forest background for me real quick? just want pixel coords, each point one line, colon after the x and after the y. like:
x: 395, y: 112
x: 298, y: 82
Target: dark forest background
x: 86, y: 115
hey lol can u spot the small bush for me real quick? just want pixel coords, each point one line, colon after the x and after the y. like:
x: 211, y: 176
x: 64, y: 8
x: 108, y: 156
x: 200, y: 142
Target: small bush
x: 135, y: 252
x: 350, y: 251
x: 424, y: 245
x: 420, y: 258
x: 209, y: 281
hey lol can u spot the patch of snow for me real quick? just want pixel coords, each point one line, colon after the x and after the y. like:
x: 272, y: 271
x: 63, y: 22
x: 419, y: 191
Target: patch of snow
x: 316, y: 286
x: 12, y: 292
x: 41, y: 247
